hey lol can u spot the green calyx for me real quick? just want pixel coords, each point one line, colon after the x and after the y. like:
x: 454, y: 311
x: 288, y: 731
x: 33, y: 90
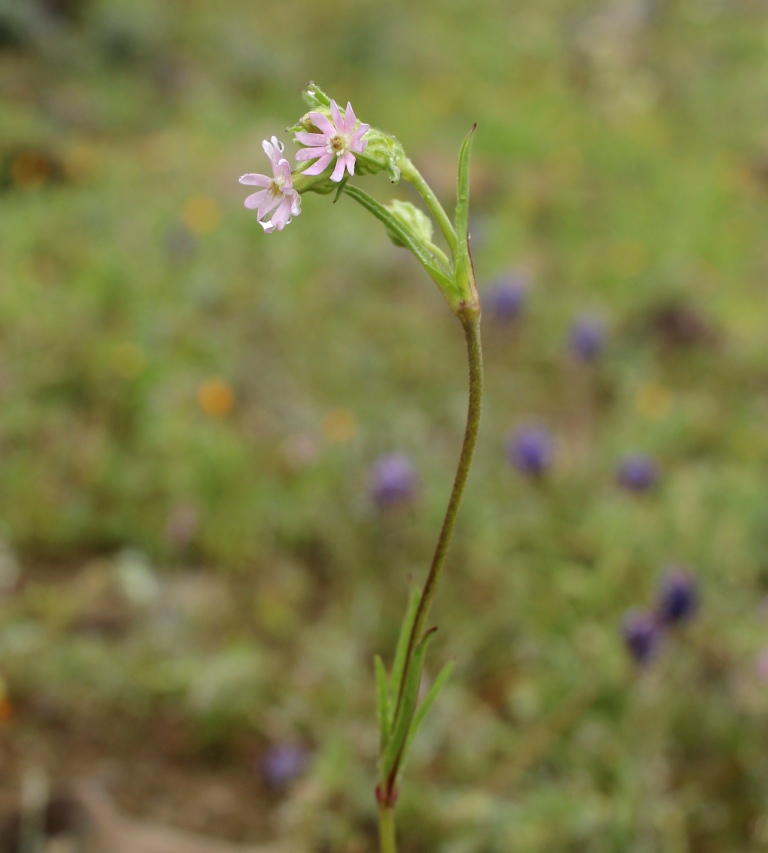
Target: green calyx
x: 406, y: 225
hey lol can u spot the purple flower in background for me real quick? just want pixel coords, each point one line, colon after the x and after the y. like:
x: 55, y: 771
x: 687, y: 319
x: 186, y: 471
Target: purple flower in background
x: 505, y: 298
x: 642, y: 635
x: 678, y: 598
x: 530, y: 450
x: 637, y: 472
x: 393, y: 480
x: 586, y: 339
x: 282, y: 763
x: 337, y: 138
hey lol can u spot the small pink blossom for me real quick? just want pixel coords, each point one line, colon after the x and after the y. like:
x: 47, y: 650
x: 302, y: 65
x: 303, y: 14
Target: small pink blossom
x: 278, y: 196
x: 337, y: 138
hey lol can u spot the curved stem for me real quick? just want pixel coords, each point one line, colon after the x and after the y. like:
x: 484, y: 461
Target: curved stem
x: 413, y: 176
x: 475, y: 357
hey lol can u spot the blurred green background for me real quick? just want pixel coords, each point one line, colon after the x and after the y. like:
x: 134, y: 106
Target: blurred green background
x: 189, y: 411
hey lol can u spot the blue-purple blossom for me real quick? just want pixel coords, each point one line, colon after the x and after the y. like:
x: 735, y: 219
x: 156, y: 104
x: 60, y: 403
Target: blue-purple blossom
x: 678, y: 598
x: 505, y: 298
x: 530, y: 449
x: 586, y: 338
x: 282, y: 763
x: 637, y: 472
x: 642, y: 635
x: 393, y: 480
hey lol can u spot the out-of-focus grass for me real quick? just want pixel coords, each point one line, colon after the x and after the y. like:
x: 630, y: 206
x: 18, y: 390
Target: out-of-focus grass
x: 175, y: 382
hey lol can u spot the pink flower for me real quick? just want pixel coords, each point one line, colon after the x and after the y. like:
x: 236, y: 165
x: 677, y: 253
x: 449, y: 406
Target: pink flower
x: 337, y: 138
x: 278, y: 194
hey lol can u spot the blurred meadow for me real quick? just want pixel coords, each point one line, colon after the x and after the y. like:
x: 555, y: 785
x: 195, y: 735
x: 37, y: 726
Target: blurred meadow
x: 195, y: 571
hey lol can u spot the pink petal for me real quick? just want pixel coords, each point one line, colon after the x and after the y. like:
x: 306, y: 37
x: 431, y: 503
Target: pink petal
x: 350, y: 160
x: 337, y: 119
x: 296, y: 204
x: 310, y: 153
x: 267, y: 226
x: 255, y: 199
x: 273, y: 149
x: 284, y: 167
x: 323, y: 123
x: 356, y: 141
x: 282, y: 216
x: 252, y: 179
x: 338, y: 172
x: 311, y: 138
x: 350, y: 119
x: 267, y: 205
x: 319, y: 167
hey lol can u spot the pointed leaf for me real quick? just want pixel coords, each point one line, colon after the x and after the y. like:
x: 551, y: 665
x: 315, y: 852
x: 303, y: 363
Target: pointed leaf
x: 404, y: 719
x: 462, y: 198
x: 468, y: 306
x: 384, y: 702
x: 427, y: 703
x: 404, y: 637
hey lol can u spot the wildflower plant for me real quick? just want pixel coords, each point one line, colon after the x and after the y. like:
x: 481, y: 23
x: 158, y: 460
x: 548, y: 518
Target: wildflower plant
x: 334, y: 148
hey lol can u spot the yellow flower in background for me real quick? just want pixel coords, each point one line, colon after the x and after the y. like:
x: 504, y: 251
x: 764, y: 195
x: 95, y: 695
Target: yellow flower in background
x: 216, y: 398
x: 201, y: 215
x: 653, y: 401
x: 339, y: 426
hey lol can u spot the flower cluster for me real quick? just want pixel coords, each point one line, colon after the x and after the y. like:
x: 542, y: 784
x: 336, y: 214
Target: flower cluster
x: 329, y: 139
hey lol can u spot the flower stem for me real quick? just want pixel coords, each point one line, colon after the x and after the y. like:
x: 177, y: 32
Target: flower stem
x: 413, y: 176
x: 387, y: 837
x: 475, y: 356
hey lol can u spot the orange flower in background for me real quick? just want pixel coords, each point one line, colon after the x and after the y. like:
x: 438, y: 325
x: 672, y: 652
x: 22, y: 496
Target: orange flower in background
x: 339, y: 426
x: 216, y: 398
x: 31, y: 169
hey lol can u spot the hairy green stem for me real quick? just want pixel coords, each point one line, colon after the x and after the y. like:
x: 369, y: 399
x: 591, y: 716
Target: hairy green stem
x: 413, y: 176
x: 475, y: 356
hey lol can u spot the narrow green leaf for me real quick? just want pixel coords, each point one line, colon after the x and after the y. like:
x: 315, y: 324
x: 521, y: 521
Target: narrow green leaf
x: 425, y: 257
x: 427, y: 703
x: 404, y: 719
x: 404, y: 637
x: 384, y: 702
x: 462, y: 198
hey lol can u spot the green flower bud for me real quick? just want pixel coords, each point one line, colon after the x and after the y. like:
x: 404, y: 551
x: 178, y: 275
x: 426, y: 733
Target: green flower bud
x: 415, y: 220
x: 383, y: 153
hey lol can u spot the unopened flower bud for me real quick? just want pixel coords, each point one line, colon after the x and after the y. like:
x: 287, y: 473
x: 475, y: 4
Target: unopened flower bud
x: 384, y: 153
x: 415, y: 220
